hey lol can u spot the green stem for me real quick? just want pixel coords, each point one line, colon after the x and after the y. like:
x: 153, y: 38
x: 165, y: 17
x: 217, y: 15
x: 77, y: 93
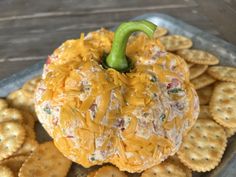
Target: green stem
x: 117, y: 59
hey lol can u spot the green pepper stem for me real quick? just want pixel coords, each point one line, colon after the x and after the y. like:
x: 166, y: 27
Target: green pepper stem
x: 117, y: 59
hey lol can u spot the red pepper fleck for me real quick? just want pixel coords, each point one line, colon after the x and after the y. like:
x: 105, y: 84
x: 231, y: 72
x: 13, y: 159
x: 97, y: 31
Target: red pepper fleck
x: 174, y: 83
x: 169, y: 86
x: 41, y: 89
x: 48, y: 60
x: 55, y: 121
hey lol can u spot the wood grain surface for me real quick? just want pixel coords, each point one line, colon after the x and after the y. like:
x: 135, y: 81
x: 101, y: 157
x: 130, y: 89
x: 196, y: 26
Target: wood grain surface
x: 30, y: 29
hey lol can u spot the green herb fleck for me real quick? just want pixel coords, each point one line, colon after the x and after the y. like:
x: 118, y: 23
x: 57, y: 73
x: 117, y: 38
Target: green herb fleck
x: 47, y: 110
x: 175, y: 90
x: 153, y: 78
x: 162, y: 117
x: 154, y: 95
x: 92, y: 158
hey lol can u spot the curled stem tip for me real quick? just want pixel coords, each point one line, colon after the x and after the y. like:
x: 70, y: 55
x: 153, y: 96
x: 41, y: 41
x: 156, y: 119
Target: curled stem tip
x: 116, y: 58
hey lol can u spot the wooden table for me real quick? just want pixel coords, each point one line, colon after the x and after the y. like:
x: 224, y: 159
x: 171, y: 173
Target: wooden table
x: 31, y: 29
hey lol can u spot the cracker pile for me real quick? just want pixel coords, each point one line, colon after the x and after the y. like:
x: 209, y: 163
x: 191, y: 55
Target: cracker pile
x: 42, y: 162
x: 202, y: 148
x: 18, y: 144
x: 204, y: 145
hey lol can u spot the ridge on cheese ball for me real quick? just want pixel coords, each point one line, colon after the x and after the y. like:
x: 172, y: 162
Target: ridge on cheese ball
x: 133, y: 120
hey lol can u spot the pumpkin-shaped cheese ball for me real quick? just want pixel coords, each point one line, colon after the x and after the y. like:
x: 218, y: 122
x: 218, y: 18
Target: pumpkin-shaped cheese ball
x: 130, y: 112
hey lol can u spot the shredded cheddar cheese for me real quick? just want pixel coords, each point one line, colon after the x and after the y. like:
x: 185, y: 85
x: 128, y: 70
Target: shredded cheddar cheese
x: 134, y: 120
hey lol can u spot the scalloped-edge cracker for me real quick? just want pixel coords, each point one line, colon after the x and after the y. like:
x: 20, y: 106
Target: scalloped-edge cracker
x: 170, y: 167
x: 109, y: 171
x: 203, y: 147
x: 176, y: 42
x: 5, y: 171
x: 202, y: 81
x: 12, y: 136
x: 27, y: 148
x: 190, y: 64
x: 10, y: 114
x: 3, y: 104
x: 179, y: 163
x: 229, y: 131
x: 198, y: 57
x: 31, y: 84
x: 160, y: 31
x: 91, y: 174
x: 46, y: 160
x: 22, y: 99
x: 223, y: 73
x: 223, y: 104
x: 14, y: 163
x: 196, y: 70
x: 204, y: 94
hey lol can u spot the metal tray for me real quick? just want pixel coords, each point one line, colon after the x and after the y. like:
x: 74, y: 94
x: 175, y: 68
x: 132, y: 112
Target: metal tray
x: 201, y: 40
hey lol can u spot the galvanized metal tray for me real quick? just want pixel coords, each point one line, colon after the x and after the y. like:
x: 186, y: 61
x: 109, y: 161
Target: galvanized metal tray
x: 201, y: 40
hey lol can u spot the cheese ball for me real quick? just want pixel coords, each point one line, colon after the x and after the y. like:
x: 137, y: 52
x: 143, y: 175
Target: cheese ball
x: 134, y: 120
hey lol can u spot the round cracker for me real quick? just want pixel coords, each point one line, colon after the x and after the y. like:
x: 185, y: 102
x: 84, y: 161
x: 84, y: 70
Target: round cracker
x: 190, y: 64
x: 22, y: 99
x: 109, y: 171
x: 170, y: 167
x: 223, y: 103
x: 160, y: 31
x: 202, y: 81
x: 223, y: 73
x: 10, y: 114
x: 5, y: 172
x: 181, y: 165
x: 12, y: 135
x: 204, y: 94
x: 14, y: 163
x: 198, y: 57
x: 196, y: 70
x: 229, y: 131
x: 91, y: 174
x: 176, y: 42
x: 42, y: 162
x: 31, y: 84
x: 3, y: 104
x: 203, y: 147
x: 27, y: 148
